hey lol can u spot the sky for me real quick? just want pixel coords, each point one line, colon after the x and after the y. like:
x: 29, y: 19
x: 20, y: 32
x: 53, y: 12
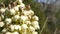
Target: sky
x: 45, y: 1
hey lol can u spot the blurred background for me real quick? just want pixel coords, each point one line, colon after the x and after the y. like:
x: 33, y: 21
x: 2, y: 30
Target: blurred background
x: 48, y: 12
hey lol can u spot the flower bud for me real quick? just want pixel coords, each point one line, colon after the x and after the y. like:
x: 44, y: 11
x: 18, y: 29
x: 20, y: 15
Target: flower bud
x: 35, y: 18
x: 12, y: 11
x: 24, y: 26
x: 2, y: 10
x: 8, y: 20
x: 1, y: 24
x: 23, y: 18
x: 15, y: 33
x: 35, y: 25
x: 31, y: 28
x: 8, y: 33
x: 34, y: 32
x: 11, y: 27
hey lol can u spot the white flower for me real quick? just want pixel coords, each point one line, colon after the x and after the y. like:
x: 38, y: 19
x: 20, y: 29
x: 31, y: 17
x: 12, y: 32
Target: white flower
x: 16, y: 8
x: 11, y: 27
x: 23, y: 18
x: 2, y: 10
x: 35, y: 18
x: 25, y: 12
x: 34, y: 32
x: 22, y: 6
x: 24, y: 26
x: 35, y: 24
x: 16, y: 27
x: 15, y: 33
x: 27, y: 22
x: 16, y: 17
x: 31, y: 28
x: 4, y: 30
x: 28, y: 12
x: 12, y: 11
x: 8, y: 33
x: 31, y: 12
x: 8, y: 20
x: 20, y: 1
x: 19, y: 27
x: 1, y: 24
x: 2, y: 16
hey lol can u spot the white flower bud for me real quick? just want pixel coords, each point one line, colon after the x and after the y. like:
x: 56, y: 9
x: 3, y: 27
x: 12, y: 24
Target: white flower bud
x: 1, y: 24
x: 2, y: 16
x: 19, y: 27
x: 31, y: 28
x: 4, y: 30
x: 35, y: 18
x: 31, y: 12
x: 35, y: 24
x: 16, y: 27
x: 16, y: 8
x: 16, y: 17
x: 24, y: 18
x: 22, y: 6
x: 15, y: 33
x: 8, y: 33
x: 2, y: 10
x: 25, y: 12
x: 28, y: 12
x: 20, y: 1
x: 11, y: 27
x: 24, y: 26
x: 8, y: 20
x: 27, y: 22
x: 12, y: 11
x: 34, y: 32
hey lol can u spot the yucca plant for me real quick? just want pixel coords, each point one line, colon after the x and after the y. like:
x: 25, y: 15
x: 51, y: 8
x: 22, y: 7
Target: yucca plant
x: 17, y: 18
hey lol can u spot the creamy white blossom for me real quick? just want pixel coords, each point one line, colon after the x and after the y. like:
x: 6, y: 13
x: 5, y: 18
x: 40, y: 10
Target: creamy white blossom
x: 12, y: 11
x: 24, y: 26
x: 23, y: 18
x: 4, y: 30
x: 12, y: 27
x: 1, y: 24
x: 8, y: 33
x: 19, y: 27
x: 31, y: 28
x: 28, y: 12
x: 8, y: 20
x: 34, y: 32
x: 15, y: 33
x: 27, y: 22
x: 2, y: 16
x: 16, y: 17
x: 16, y: 8
x: 20, y: 1
x: 35, y: 24
x: 2, y: 10
x: 31, y: 12
x: 35, y: 18
x: 22, y: 6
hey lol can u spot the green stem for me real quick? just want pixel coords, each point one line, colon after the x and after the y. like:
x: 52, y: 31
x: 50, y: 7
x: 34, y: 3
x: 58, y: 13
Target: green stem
x: 44, y: 25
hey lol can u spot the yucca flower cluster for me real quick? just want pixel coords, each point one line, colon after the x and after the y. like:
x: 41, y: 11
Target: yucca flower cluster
x: 18, y: 18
